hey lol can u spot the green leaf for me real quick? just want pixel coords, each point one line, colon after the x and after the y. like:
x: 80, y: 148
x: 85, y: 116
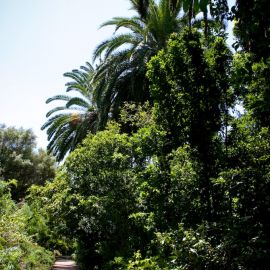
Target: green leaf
x: 186, y: 5
x: 196, y: 7
x: 203, y: 5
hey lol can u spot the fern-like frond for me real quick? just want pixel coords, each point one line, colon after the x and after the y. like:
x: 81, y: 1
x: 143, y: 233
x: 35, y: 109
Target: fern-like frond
x: 58, y: 97
x: 68, y: 125
x: 54, y: 110
x: 78, y: 102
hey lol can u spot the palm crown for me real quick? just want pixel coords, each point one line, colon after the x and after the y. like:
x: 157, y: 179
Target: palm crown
x: 120, y: 76
x: 69, y: 124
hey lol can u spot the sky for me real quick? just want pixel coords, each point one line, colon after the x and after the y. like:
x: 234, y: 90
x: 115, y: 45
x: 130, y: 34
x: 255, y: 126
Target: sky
x: 39, y: 41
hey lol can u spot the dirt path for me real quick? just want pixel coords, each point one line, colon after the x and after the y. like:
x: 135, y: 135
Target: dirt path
x: 65, y: 263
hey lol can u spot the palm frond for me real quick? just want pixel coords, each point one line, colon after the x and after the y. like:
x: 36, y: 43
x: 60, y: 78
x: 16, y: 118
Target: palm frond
x: 54, y: 110
x: 133, y: 24
x: 67, y: 125
x: 120, y: 75
x: 58, y: 97
x: 78, y: 102
x: 141, y: 6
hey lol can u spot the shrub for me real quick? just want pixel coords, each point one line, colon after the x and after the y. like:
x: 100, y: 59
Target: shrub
x: 17, y: 249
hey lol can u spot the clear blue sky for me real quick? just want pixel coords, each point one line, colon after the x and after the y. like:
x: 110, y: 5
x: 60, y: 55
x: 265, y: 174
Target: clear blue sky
x: 39, y: 41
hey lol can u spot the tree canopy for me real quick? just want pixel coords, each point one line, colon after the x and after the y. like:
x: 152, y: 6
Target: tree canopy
x: 20, y: 160
x: 167, y: 147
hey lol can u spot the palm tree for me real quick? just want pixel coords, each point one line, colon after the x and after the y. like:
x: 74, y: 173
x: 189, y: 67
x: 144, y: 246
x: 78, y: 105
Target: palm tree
x: 69, y: 124
x: 123, y: 58
x: 120, y: 76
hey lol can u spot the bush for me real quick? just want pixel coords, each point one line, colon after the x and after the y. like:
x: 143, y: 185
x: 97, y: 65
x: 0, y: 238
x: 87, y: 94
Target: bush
x: 17, y: 250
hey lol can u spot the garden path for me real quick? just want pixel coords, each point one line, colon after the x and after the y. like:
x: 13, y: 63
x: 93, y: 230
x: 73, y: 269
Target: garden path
x: 64, y: 263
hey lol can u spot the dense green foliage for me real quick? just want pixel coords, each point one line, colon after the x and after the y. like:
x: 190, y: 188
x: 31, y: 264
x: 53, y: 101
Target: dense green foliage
x: 20, y: 160
x: 120, y: 74
x: 253, y: 26
x: 17, y: 248
x: 129, y: 207
x: 181, y: 181
x: 21, y: 165
x: 190, y: 88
